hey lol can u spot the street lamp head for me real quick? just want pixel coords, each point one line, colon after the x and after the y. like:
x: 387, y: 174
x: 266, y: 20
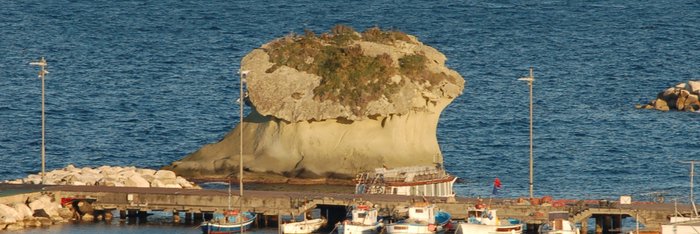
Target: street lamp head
x: 41, y: 62
x: 243, y: 73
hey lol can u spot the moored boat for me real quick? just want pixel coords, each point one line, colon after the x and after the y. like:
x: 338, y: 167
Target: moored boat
x: 485, y: 221
x: 229, y: 222
x: 409, y: 181
x: 683, y: 227
x: 558, y: 224
x: 364, y: 220
x: 422, y: 218
x: 304, y: 226
x: 678, y: 225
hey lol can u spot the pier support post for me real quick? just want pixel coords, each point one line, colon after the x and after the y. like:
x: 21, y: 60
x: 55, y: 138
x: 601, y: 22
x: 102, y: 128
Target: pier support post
x: 599, y: 220
x: 607, y: 225
x: 131, y: 216
x: 188, y: 217
x: 143, y: 216
x: 617, y: 223
x: 176, y: 216
x: 108, y: 215
x: 198, y: 217
x: 122, y: 214
x: 584, y: 226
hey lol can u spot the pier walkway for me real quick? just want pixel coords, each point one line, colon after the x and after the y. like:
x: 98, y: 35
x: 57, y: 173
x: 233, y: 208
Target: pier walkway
x: 607, y: 214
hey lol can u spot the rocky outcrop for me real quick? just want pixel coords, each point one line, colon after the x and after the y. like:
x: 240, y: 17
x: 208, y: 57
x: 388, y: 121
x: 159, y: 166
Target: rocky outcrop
x: 333, y: 105
x: 38, y: 211
x: 110, y: 176
x: 681, y: 97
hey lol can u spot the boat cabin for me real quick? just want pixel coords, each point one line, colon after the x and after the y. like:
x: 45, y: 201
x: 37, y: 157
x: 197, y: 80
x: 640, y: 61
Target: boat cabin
x: 482, y: 216
x: 364, y: 214
x: 422, y: 212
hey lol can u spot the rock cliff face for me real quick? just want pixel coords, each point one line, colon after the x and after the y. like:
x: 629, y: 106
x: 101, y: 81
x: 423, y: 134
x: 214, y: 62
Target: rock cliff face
x: 682, y: 97
x: 332, y: 105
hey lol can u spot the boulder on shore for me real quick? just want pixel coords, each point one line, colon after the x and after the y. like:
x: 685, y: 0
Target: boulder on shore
x: 109, y: 176
x: 41, y: 211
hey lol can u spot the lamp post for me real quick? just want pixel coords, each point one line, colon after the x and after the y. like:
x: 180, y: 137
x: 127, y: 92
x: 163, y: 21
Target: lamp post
x: 692, y: 194
x: 243, y: 75
x: 530, y: 79
x: 241, y: 99
x: 42, y: 73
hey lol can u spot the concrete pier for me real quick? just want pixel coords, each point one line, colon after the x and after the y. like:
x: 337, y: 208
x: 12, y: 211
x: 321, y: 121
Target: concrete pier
x: 198, y: 205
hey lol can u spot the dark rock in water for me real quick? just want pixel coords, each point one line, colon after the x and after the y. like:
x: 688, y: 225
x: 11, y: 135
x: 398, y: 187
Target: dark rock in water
x: 332, y: 105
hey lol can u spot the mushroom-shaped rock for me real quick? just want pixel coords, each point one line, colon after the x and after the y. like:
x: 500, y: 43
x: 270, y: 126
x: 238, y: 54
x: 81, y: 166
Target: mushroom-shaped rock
x: 359, y: 100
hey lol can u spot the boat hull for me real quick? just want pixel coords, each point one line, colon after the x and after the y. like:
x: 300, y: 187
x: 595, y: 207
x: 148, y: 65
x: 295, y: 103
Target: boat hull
x: 226, y: 228
x: 359, y: 229
x: 413, y: 228
x: 307, y: 226
x: 470, y: 228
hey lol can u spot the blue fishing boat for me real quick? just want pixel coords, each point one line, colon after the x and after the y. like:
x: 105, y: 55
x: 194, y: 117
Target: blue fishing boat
x: 229, y: 223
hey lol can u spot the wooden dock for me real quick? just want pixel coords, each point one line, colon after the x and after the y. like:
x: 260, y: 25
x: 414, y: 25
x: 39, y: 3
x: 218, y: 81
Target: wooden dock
x: 203, y: 203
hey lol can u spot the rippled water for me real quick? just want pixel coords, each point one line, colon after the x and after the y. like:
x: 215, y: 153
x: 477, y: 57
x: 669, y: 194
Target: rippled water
x: 145, y: 83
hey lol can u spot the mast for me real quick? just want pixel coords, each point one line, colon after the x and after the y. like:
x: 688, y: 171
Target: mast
x: 692, y: 197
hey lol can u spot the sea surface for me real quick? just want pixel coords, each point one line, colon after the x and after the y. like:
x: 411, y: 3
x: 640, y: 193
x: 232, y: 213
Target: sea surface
x: 144, y: 83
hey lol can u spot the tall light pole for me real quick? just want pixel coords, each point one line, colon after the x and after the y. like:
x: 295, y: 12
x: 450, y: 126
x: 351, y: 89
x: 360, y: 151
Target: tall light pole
x: 692, y: 197
x: 42, y: 73
x: 243, y: 74
x: 241, y: 100
x: 530, y: 79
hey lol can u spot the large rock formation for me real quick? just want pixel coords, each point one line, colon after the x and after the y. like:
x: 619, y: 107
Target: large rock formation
x: 332, y: 105
x: 681, y: 97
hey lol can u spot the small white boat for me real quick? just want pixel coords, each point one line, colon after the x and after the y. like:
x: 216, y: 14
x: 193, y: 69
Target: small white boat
x: 682, y: 227
x: 306, y: 226
x: 364, y: 221
x: 685, y: 225
x: 558, y: 224
x: 422, y: 218
x: 485, y: 221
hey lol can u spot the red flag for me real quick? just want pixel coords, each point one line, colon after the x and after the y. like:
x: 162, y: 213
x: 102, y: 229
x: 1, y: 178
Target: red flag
x: 496, y: 186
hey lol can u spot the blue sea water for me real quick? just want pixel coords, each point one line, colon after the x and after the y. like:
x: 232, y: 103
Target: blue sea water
x: 144, y: 83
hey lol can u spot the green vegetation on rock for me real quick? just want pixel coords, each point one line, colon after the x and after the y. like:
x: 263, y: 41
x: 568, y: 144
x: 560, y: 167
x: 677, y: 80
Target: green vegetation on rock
x: 349, y: 76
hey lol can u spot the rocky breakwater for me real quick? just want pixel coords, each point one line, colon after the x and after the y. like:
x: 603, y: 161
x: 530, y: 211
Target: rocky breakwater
x: 110, y: 176
x: 333, y: 105
x: 37, y: 211
x: 681, y: 97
